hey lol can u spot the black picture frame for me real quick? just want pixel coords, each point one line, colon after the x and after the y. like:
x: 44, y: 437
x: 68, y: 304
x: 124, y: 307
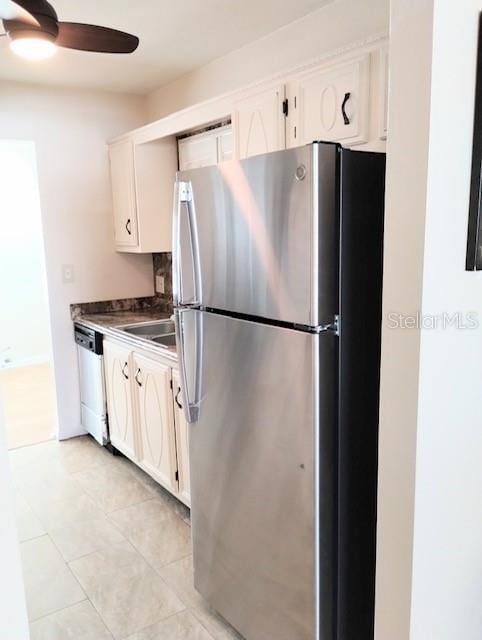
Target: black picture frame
x: 474, y: 234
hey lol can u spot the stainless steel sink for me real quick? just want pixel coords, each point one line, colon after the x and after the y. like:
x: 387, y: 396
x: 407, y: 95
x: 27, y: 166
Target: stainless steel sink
x: 165, y: 341
x: 150, y: 330
x: 161, y: 332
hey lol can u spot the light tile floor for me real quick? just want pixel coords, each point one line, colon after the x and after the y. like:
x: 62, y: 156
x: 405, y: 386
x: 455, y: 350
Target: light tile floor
x: 106, y: 551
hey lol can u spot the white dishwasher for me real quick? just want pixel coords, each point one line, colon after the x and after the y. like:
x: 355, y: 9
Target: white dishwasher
x: 93, y: 403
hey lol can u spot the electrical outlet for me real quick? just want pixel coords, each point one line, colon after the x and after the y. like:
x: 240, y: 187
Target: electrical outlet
x: 160, y: 284
x: 68, y: 273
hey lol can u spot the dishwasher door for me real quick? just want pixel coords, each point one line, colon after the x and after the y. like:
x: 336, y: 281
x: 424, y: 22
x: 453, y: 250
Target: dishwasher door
x: 92, y: 394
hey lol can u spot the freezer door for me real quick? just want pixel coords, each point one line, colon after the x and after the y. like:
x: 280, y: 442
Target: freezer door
x: 260, y: 236
x: 262, y: 456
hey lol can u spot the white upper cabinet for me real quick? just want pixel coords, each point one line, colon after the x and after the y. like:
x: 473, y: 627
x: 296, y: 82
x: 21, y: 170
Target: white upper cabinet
x: 383, y: 70
x: 198, y: 151
x: 343, y: 99
x: 142, y: 177
x: 205, y: 149
x: 124, y: 194
x: 259, y: 123
x: 331, y: 103
x: 225, y: 144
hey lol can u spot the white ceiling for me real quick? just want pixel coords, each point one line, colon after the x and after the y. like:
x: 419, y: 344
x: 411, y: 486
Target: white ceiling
x: 176, y: 37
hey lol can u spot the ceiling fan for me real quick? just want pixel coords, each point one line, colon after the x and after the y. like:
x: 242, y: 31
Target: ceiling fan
x: 35, y: 32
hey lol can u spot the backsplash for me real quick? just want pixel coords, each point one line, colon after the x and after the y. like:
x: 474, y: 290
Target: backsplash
x: 163, y: 267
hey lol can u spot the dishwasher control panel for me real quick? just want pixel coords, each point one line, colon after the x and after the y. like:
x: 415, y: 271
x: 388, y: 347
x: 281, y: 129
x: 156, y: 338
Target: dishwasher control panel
x: 88, y: 339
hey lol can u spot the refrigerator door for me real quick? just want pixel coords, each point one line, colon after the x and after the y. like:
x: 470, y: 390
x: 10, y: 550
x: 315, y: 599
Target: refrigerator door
x: 259, y: 236
x: 263, y: 464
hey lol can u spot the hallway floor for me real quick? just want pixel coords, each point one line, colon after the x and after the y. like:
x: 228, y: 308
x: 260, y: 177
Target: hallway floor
x: 28, y: 402
x: 106, y: 552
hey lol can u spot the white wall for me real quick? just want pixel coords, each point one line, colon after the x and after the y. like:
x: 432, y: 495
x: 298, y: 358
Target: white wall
x: 429, y: 571
x: 334, y: 26
x: 24, y: 321
x: 406, y: 186
x: 13, y: 610
x: 447, y: 561
x: 69, y: 129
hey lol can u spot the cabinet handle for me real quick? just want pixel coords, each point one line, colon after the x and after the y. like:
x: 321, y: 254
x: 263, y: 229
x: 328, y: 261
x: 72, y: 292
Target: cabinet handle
x: 176, y: 399
x: 346, y: 119
x: 128, y: 226
x: 136, y: 377
x: 124, y: 371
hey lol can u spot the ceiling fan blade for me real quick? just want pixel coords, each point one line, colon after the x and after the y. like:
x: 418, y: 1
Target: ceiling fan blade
x: 88, y: 37
x: 13, y: 10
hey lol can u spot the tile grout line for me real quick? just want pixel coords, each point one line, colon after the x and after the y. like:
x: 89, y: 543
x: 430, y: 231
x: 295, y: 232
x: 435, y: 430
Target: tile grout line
x: 92, y: 603
x: 102, y: 618
x: 41, y: 535
x: 67, y: 565
x: 184, y: 611
x: 53, y: 613
x: 215, y: 637
x: 167, y: 564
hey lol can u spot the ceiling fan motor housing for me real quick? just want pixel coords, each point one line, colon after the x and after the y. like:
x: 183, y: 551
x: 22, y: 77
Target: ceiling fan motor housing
x: 38, y: 21
x: 46, y: 16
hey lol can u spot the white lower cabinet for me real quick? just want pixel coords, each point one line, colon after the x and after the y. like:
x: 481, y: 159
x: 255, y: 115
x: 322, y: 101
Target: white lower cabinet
x: 182, y: 441
x: 118, y: 372
x: 157, y: 439
x: 145, y: 419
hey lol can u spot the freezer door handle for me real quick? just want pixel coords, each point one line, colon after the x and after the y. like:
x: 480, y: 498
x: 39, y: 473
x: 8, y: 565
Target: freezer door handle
x: 183, y: 201
x: 189, y: 338
x: 176, y: 235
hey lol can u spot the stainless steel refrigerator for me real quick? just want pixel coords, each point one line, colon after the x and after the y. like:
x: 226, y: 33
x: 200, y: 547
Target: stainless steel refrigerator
x: 277, y: 272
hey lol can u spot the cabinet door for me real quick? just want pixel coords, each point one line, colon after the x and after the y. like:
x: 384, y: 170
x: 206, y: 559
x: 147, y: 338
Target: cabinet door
x: 332, y: 104
x: 225, y: 145
x: 383, y: 71
x: 198, y: 151
x: 123, y: 193
x: 259, y: 123
x: 157, y: 454
x: 119, y: 398
x: 155, y: 164
x: 182, y: 441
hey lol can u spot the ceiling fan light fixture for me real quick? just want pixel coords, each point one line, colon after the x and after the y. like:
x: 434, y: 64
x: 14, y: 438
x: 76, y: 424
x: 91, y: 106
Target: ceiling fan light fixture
x: 33, y: 46
x: 35, y: 32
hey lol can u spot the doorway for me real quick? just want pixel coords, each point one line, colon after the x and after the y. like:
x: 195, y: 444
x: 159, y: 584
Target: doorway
x: 26, y: 370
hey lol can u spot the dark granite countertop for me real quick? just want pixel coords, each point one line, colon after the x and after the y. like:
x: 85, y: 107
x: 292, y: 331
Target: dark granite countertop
x: 110, y: 325
x: 120, y: 318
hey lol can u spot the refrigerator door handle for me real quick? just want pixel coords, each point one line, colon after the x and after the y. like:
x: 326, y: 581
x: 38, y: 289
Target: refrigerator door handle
x: 183, y: 196
x: 190, y: 362
x: 176, y: 236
